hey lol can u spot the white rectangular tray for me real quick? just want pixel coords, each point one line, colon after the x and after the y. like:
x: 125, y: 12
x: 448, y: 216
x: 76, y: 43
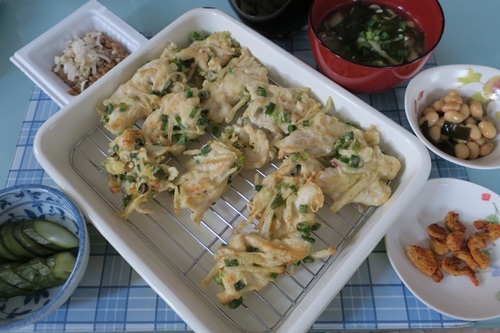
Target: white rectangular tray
x: 36, y: 59
x: 173, y: 255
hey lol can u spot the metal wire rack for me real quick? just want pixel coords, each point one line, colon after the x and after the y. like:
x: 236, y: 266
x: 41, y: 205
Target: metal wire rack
x: 189, y: 248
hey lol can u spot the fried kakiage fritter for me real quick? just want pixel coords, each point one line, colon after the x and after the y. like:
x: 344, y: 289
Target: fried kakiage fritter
x: 216, y: 87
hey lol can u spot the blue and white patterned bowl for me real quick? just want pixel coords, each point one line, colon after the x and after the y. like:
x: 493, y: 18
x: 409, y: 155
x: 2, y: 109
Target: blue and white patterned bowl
x: 28, y: 202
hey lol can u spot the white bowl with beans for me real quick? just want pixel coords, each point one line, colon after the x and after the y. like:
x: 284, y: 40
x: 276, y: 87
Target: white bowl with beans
x: 455, y: 111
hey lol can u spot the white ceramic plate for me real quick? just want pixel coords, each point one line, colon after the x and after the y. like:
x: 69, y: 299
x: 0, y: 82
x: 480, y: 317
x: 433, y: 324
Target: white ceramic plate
x: 454, y: 296
x: 172, y: 254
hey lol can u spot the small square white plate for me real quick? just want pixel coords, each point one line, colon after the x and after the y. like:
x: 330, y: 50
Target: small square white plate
x: 36, y: 59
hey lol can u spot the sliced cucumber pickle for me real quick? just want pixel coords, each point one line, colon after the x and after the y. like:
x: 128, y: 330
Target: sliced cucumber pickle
x: 8, y: 290
x: 6, y: 254
x: 22, y: 278
x: 61, y: 264
x: 28, y: 243
x: 12, y: 244
x: 9, y: 276
x: 50, y: 234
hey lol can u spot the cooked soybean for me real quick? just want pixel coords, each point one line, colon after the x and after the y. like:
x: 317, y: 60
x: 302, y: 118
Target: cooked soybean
x: 452, y: 110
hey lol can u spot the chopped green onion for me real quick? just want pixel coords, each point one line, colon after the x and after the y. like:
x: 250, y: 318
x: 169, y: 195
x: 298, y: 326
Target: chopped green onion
x: 180, y: 139
x: 277, y: 202
x: 126, y: 200
x: 108, y: 109
x: 270, y: 108
x: 292, y: 128
x: 218, y: 279
x: 354, y: 161
x: 402, y: 53
x: 305, y: 123
x: 303, y: 227
x: 164, y: 122
x: 303, y: 209
x: 231, y: 262
x: 206, y: 149
x: 273, y: 276
x: 262, y: 92
x: 251, y: 248
x: 194, y: 111
x: 204, y: 95
x: 216, y: 131
x: 315, y: 227
x: 139, y: 142
x: 287, y: 117
x: 308, y: 239
x: 258, y: 187
x: 235, y: 303
x: 240, y: 161
x: 188, y: 92
x: 239, y: 285
x: 296, y: 158
x: 308, y: 260
x: 164, y: 91
x: 123, y: 107
x: 203, y: 120
x: 355, y: 145
x: 347, y: 137
x: 293, y: 188
x: 195, y: 35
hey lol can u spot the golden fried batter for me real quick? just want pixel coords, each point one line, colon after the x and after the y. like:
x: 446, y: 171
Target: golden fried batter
x: 438, y: 246
x: 466, y: 257
x: 438, y: 274
x: 475, y: 245
x: 436, y: 231
x: 452, y: 223
x: 488, y: 231
x: 455, y: 240
x: 453, y: 266
x: 424, y: 259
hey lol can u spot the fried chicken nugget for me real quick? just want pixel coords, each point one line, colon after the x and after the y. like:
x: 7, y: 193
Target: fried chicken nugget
x: 452, y: 223
x: 438, y: 246
x: 466, y: 257
x: 488, y: 231
x: 436, y: 231
x: 425, y: 260
x: 455, y: 240
x: 453, y: 266
x: 475, y: 245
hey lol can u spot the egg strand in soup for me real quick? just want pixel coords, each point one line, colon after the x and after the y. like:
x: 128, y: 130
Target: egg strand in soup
x: 371, y: 34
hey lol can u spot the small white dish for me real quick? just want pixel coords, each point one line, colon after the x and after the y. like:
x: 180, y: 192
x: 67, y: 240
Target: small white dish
x: 454, y: 296
x: 36, y: 59
x: 480, y: 82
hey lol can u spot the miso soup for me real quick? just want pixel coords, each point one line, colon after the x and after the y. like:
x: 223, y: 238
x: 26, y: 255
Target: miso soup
x: 372, y: 34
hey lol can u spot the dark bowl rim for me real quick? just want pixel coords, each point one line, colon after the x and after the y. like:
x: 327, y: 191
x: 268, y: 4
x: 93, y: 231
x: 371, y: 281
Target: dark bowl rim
x: 422, y: 56
x: 257, y: 19
x: 80, y: 258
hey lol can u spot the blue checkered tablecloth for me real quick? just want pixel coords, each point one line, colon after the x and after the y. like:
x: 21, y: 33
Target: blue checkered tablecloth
x: 113, y: 297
